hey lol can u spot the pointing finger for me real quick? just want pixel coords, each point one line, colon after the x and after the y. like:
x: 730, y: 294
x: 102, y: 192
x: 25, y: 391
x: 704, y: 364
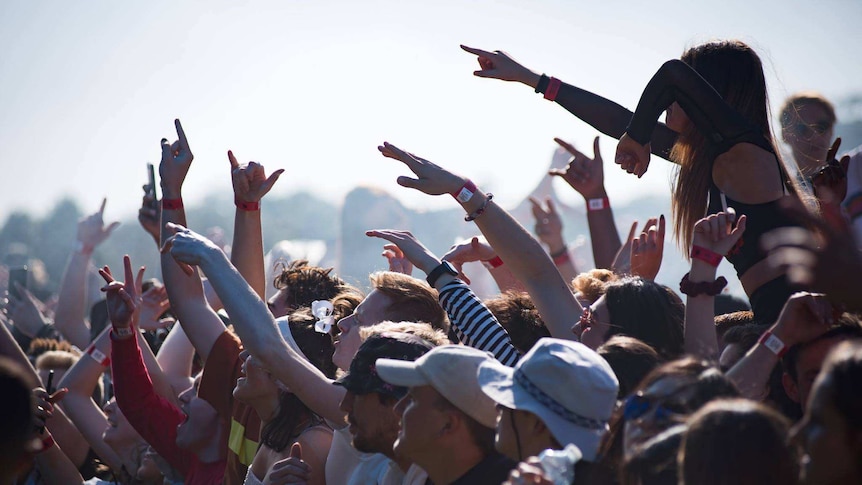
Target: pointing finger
x: 478, y: 52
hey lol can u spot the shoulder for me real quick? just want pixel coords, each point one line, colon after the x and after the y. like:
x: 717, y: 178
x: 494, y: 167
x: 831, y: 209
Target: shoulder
x: 749, y: 174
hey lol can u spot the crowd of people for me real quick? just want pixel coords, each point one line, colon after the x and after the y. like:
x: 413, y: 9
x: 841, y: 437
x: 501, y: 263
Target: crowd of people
x: 599, y: 377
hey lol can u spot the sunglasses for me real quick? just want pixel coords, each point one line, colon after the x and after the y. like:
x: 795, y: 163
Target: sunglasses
x: 806, y: 130
x: 638, y: 405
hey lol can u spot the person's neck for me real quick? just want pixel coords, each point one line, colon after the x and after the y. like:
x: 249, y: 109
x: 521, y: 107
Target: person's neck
x: 215, y: 448
x: 265, y: 407
x: 448, y: 464
x: 128, y: 452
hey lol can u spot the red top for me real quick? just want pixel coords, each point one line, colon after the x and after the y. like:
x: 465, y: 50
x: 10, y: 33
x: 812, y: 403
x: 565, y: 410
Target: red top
x: 154, y: 417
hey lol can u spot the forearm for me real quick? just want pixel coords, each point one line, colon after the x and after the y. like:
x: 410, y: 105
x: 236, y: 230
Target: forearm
x: 161, y: 384
x: 10, y: 349
x: 55, y: 468
x: 69, y: 316
x: 604, y: 237
x: 505, y: 280
x: 751, y: 373
x: 247, y: 249
x: 530, y: 264
x: 68, y: 437
x: 175, y: 358
x: 83, y: 377
x: 474, y: 324
x: 257, y: 329
x: 699, y: 330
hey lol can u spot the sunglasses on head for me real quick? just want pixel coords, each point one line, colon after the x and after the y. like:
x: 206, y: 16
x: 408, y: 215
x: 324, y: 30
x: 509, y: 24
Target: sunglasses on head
x: 638, y: 405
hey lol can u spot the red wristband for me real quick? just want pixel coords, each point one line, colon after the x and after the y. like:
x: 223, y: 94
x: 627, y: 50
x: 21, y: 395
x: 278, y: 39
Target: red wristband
x: 172, y: 204
x: 561, y: 258
x: 123, y: 331
x: 598, y: 204
x: 47, y: 443
x: 465, y: 193
x: 98, y: 356
x: 494, y: 262
x: 854, y: 206
x: 247, y: 206
x: 553, y: 89
x: 708, y: 256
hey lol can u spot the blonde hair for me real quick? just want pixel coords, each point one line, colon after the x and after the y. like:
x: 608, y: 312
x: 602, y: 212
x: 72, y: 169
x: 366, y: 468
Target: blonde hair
x: 591, y: 284
x: 421, y: 330
x: 56, y: 359
x: 411, y: 299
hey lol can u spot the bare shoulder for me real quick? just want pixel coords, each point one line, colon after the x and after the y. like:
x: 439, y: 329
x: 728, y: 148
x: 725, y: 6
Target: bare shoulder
x: 748, y: 174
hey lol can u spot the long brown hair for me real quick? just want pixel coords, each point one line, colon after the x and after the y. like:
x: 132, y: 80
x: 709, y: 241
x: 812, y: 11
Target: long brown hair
x: 736, y: 73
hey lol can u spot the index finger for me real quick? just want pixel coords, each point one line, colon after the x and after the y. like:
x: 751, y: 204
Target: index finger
x: 569, y: 147
x: 536, y: 207
x: 552, y: 209
x: 833, y: 150
x: 181, y: 134
x: 478, y: 52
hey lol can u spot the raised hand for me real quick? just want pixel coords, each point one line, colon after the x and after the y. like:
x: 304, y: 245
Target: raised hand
x: 92, y: 230
x: 150, y: 213
x: 398, y: 263
x: 717, y: 233
x: 176, y: 159
x: 44, y: 404
x: 623, y: 260
x: 410, y: 247
x: 499, y: 65
x: 250, y: 182
x: 830, y: 180
x: 27, y: 312
x: 476, y: 249
x: 154, y: 302
x: 431, y: 180
x: 648, y: 249
x: 123, y: 298
x: 632, y: 156
x: 804, y: 317
x: 290, y: 470
x: 549, y: 225
x: 584, y: 174
x: 187, y: 247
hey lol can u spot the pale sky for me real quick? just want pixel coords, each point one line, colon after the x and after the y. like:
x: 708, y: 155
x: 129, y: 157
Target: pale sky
x: 88, y: 88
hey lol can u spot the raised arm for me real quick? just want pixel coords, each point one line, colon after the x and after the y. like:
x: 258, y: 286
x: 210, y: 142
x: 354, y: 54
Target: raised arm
x: 587, y: 176
x: 474, y: 324
x: 254, y: 323
x: 201, y: 323
x: 677, y: 82
x: 54, y: 465
x: 549, y: 230
x: 714, y: 236
x: 250, y: 184
x: 69, y: 318
x: 516, y: 247
x: 602, y: 114
x: 804, y: 317
x: 477, y: 249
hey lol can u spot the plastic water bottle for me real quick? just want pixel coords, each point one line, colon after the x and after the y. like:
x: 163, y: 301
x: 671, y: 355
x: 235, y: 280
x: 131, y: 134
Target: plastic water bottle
x: 559, y: 465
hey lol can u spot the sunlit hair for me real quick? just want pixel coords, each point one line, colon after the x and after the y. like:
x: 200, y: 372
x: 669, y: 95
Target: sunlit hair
x: 39, y: 346
x: 517, y: 314
x: 630, y: 359
x: 411, y: 299
x: 792, y: 105
x: 591, y: 284
x: 736, y: 73
x: 737, y: 441
x: 421, y: 330
x: 56, y: 359
x: 305, y: 283
x: 843, y: 371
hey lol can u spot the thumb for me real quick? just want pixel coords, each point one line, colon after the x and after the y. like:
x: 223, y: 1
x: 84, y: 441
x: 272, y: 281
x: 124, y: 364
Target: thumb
x: 271, y: 180
x: 597, y: 155
x: 58, y: 395
x: 112, y: 227
x: 296, y: 451
x: 408, y: 182
x: 485, y: 73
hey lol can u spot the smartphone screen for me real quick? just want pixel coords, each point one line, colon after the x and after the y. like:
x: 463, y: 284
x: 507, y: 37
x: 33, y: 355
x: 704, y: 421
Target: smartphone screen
x: 17, y: 275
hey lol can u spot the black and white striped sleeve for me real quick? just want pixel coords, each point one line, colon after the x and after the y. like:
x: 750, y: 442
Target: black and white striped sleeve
x: 474, y: 324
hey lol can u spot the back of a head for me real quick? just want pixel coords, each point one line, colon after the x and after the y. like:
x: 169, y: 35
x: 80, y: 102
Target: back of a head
x: 412, y: 299
x: 590, y: 285
x: 726, y: 321
x: 706, y: 382
x: 654, y: 462
x: 736, y: 441
x: 843, y: 369
x: 16, y: 416
x: 422, y: 330
x: 305, y: 283
x: 647, y: 311
x: 847, y: 327
x: 630, y: 359
x: 517, y: 314
x: 316, y: 346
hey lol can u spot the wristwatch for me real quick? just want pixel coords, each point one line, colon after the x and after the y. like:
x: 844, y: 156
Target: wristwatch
x: 444, y: 268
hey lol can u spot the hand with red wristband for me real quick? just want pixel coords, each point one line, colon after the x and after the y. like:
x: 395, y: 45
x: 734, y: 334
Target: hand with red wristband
x: 499, y: 65
x: 92, y: 230
x: 176, y: 160
x: 431, y: 179
x: 472, y: 250
x: 123, y: 298
x: 398, y: 263
x: 805, y: 316
x: 716, y: 234
x: 647, y: 250
x: 549, y: 225
x: 44, y: 405
x: 250, y: 183
x: 632, y: 156
x: 584, y: 174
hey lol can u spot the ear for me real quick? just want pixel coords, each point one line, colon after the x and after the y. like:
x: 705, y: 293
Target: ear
x: 791, y: 388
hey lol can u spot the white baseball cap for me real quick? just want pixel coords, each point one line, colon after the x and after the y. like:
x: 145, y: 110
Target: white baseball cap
x: 452, y: 370
x: 567, y: 385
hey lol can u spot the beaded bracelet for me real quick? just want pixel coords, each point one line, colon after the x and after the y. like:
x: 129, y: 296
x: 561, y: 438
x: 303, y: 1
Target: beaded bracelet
x: 481, y: 210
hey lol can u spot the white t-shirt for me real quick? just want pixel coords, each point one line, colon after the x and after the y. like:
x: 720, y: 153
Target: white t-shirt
x: 346, y: 466
x: 414, y: 475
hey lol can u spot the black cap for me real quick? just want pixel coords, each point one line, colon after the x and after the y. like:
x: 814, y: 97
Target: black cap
x: 362, y: 377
